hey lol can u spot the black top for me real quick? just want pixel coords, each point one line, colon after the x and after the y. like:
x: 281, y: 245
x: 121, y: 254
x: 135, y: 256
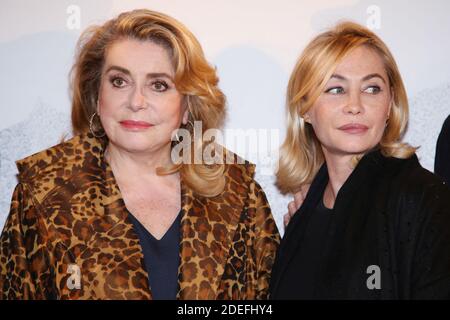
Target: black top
x: 391, y: 222
x: 162, y: 258
x: 442, y: 160
x: 309, y: 256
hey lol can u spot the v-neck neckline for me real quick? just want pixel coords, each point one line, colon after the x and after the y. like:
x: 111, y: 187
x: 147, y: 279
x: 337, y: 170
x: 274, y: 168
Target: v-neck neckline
x: 175, y: 222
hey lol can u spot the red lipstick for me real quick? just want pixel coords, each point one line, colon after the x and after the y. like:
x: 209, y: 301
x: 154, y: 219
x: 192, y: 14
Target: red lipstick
x: 135, y: 125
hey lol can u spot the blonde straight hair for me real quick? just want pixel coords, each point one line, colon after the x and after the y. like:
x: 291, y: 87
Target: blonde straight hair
x: 194, y: 78
x: 301, y: 154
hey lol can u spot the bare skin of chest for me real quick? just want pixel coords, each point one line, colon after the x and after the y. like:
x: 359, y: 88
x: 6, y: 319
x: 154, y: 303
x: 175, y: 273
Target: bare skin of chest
x: 156, y: 206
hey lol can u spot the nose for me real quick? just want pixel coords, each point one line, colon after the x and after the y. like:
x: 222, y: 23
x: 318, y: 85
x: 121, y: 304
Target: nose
x: 137, y: 99
x: 354, y: 103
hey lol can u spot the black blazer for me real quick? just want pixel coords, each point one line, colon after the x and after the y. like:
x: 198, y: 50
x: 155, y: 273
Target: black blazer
x: 391, y: 213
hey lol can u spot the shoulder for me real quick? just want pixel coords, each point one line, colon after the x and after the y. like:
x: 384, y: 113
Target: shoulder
x: 444, y: 135
x: 48, y: 168
x: 240, y: 180
x: 446, y: 125
x: 413, y: 175
x: 417, y: 184
x: 238, y: 170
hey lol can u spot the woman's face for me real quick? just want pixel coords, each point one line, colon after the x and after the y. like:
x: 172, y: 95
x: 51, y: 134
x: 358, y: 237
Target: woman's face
x: 139, y: 106
x: 350, y: 116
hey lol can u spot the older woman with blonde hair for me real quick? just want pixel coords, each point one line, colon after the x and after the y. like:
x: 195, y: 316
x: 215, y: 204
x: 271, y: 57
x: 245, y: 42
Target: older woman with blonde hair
x: 374, y: 224
x: 110, y: 213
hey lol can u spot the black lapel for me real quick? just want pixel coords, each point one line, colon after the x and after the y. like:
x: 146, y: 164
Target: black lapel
x: 296, y: 227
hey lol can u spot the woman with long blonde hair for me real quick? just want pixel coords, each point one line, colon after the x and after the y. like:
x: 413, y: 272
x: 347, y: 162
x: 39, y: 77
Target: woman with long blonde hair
x: 374, y: 224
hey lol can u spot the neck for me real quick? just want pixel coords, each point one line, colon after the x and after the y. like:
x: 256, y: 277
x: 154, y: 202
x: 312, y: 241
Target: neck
x: 129, y: 165
x: 339, y: 169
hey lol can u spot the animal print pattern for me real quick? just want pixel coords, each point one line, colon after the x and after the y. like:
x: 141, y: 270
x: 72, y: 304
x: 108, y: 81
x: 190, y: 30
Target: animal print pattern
x: 67, y: 212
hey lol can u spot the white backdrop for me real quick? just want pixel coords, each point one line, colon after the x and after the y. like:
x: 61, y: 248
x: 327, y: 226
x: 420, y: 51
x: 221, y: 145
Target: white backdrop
x: 253, y: 43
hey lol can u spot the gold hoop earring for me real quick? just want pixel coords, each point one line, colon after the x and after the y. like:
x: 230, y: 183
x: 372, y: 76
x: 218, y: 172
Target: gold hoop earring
x: 91, y: 127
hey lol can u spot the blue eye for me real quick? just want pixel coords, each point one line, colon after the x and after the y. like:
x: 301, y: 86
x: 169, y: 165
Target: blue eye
x: 335, y: 90
x: 373, y: 90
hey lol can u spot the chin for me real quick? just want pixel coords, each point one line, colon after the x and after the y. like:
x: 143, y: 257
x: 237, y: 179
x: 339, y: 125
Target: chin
x: 356, y: 144
x: 350, y: 147
x: 357, y: 148
x: 136, y: 144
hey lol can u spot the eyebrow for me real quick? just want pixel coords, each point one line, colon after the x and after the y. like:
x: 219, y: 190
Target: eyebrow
x: 368, y: 77
x: 149, y: 75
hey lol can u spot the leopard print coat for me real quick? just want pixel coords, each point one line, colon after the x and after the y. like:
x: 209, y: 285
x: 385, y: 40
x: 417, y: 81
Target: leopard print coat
x: 68, y: 220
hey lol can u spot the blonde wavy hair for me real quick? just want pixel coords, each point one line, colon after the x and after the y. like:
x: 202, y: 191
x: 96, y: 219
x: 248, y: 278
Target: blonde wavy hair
x: 194, y: 78
x: 301, y: 155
